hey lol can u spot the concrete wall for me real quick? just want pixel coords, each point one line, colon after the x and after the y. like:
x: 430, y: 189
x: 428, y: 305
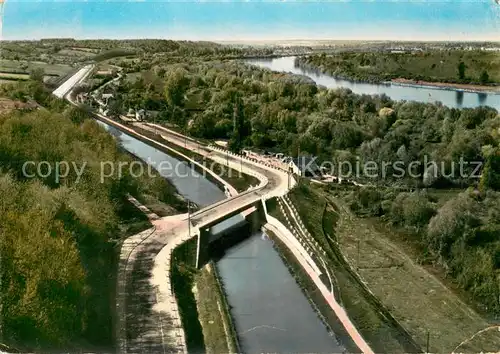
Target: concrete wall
x: 256, y: 218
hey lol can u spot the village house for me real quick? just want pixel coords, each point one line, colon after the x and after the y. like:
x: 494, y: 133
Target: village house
x: 106, y: 97
x: 140, y: 114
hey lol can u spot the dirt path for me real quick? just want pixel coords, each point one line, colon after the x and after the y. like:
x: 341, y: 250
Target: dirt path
x: 418, y: 299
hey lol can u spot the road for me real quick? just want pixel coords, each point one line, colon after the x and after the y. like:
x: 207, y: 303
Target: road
x: 69, y: 84
x: 147, y: 310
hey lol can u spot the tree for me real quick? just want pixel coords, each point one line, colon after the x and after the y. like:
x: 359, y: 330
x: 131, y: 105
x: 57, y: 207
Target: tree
x: 484, y: 78
x: 452, y: 222
x: 235, y: 143
x: 490, y: 178
x: 115, y: 108
x: 176, y: 85
x: 461, y: 70
x: 37, y: 74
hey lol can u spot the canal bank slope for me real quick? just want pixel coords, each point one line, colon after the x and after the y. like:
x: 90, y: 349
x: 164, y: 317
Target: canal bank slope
x: 149, y: 308
x: 277, y: 228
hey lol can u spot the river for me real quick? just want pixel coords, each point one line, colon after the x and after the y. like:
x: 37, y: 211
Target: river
x: 450, y: 98
x: 270, y: 311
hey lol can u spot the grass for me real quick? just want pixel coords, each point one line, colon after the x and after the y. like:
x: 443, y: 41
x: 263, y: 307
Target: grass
x: 183, y: 275
x: 218, y: 329
x: 50, y: 69
x: 86, y: 50
x: 380, y: 333
x: 75, y: 53
x: 6, y: 81
x: 133, y: 220
x: 132, y: 77
x: 415, y: 297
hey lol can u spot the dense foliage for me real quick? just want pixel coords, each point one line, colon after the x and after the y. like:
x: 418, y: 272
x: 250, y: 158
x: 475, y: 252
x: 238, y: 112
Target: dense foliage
x: 457, y: 230
x: 274, y: 111
x: 476, y: 67
x: 290, y: 114
x: 58, y: 237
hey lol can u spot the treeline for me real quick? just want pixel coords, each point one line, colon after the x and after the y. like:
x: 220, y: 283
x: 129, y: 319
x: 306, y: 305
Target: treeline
x: 452, y: 66
x: 59, y: 237
x: 280, y: 112
x: 458, y: 231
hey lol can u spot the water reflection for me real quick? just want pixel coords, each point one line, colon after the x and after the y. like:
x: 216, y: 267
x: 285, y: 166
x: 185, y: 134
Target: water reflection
x: 459, y: 98
x: 481, y: 98
x: 271, y: 312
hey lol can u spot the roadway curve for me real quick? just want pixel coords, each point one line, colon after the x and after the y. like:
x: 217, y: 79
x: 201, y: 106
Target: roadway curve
x: 148, y: 318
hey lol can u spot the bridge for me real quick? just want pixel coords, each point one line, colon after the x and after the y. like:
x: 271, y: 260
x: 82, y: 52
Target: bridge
x: 148, y: 319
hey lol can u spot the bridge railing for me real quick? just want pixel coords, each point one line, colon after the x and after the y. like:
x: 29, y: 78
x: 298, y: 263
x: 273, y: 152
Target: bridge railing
x: 225, y: 201
x: 247, y: 158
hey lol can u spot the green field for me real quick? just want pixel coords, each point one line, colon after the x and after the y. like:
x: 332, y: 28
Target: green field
x: 26, y: 67
x: 75, y: 53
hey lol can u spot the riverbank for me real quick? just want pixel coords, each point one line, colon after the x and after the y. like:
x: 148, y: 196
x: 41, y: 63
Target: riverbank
x: 472, y: 71
x: 382, y: 335
x: 395, y: 275
x: 218, y: 328
x: 313, y: 295
x: 494, y: 90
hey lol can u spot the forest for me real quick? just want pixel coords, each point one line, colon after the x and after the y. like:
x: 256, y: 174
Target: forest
x: 60, y: 238
x: 452, y: 229
x: 279, y: 112
x: 451, y: 66
x: 268, y: 111
x: 52, y: 284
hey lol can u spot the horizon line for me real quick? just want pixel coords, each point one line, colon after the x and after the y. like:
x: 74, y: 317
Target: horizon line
x: 236, y: 40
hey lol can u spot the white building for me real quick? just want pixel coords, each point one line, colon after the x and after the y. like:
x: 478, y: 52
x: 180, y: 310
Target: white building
x: 140, y: 114
x: 106, y: 97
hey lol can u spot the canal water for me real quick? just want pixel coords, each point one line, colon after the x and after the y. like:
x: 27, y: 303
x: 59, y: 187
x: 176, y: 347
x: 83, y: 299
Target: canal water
x: 450, y: 98
x: 270, y: 311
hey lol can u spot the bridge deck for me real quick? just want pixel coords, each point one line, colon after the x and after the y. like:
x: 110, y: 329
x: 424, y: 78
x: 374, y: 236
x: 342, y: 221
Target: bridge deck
x: 225, y: 209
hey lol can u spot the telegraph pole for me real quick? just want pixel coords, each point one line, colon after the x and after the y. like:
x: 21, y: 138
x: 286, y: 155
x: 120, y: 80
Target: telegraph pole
x: 189, y: 221
x: 289, y: 177
x: 358, y: 256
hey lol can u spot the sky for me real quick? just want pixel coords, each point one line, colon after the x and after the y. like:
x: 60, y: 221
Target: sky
x: 230, y: 20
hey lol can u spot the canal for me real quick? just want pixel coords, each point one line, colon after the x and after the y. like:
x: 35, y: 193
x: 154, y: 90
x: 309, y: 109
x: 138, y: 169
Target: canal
x: 270, y: 311
x: 450, y: 98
